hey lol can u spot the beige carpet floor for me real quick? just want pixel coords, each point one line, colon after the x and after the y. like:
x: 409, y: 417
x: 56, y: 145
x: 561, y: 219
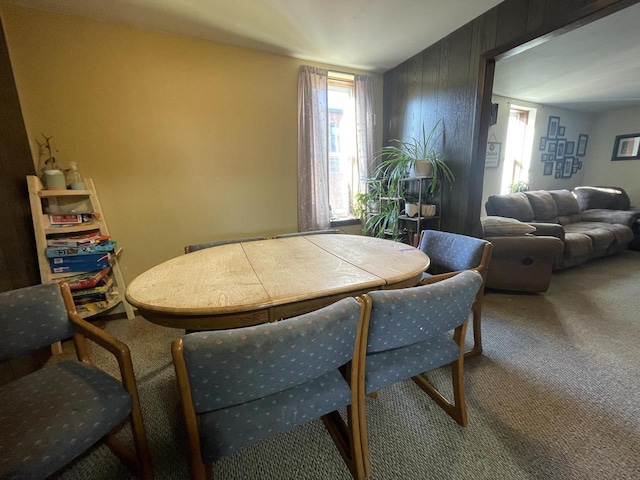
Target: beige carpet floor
x: 556, y: 395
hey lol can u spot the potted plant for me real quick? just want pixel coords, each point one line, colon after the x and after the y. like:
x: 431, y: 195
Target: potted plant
x: 411, y: 206
x: 52, y: 176
x: 415, y: 157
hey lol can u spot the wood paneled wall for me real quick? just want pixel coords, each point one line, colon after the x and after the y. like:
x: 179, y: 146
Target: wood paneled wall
x: 452, y: 80
x: 18, y: 260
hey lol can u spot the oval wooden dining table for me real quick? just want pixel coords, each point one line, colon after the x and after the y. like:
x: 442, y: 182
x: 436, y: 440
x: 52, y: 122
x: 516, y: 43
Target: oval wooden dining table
x: 248, y: 283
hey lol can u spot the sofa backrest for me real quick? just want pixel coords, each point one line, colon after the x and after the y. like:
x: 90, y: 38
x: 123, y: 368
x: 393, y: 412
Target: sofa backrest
x: 568, y: 208
x: 543, y: 205
x: 612, y: 198
x: 512, y: 205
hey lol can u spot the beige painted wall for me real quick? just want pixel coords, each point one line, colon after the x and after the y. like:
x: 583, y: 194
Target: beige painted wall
x: 186, y: 140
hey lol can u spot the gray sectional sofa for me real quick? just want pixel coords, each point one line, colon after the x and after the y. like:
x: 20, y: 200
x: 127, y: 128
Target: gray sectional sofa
x: 586, y: 233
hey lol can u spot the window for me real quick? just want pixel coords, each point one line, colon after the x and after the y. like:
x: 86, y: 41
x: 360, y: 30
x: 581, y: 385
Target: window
x: 343, y: 165
x: 518, y: 150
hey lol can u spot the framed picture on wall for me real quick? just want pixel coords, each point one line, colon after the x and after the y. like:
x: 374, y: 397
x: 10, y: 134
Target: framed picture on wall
x: 551, y: 146
x: 552, y: 129
x: 567, y: 170
x: 544, y: 157
x: 558, y: 174
x: 543, y: 143
x: 559, y: 166
x: 569, y: 148
x: 492, y: 156
x: 561, y: 131
x: 548, y: 168
x: 626, y: 147
x: 560, y: 149
x: 581, y: 149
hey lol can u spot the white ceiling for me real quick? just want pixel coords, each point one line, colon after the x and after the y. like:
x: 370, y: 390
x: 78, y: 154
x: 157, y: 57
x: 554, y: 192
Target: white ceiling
x: 373, y: 35
x: 593, y: 68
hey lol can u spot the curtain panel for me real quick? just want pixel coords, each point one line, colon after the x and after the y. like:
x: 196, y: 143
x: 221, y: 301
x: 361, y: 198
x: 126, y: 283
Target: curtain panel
x: 313, y: 156
x: 364, y: 123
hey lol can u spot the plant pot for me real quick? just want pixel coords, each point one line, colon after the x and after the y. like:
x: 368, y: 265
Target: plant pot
x: 411, y: 209
x: 54, y: 180
x: 422, y: 168
x: 428, y: 210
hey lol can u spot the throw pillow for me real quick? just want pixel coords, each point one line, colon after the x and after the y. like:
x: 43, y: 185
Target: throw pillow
x: 505, y: 227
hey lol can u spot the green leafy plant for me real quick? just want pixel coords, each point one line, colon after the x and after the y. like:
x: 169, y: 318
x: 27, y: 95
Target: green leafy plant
x: 399, y: 158
x: 519, y: 187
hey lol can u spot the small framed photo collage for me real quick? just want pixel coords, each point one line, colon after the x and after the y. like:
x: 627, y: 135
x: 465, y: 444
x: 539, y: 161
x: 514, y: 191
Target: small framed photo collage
x: 560, y: 156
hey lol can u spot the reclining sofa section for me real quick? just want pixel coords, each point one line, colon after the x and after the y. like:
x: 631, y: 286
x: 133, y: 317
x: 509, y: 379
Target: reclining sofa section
x: 586, y: 234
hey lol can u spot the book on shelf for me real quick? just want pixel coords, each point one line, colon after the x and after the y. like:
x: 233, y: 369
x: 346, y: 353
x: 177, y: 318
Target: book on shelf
x: 95, y: 297
x: 79, y: 267
x: 93, y: 307
x: 89, y: 258
x: 62, y: 240
x: 70, y: 219
x: 104, y: 246
x: 103, y: 286
x: 85, y: 280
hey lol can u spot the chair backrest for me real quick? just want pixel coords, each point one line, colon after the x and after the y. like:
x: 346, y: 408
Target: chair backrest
x: 450, y: 252
x: 312, y: 232
x: 404, y: 317
x: 230, y: 367
x: 201, y: 246
x: 31, y: 318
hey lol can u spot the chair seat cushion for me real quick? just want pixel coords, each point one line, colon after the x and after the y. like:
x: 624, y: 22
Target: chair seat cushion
x: 390, y: 366
x: 227, y: 430
x: 53, y: 415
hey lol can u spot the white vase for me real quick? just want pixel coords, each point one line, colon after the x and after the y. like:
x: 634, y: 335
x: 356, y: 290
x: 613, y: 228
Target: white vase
x: 428, y: 210
x: 411, y: 209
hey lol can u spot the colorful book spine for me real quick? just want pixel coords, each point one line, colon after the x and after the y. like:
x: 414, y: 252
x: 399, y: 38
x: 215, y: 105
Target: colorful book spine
x: 85, y: 280
x: 93, y: 290
x: 79, y: 267
x: 76, y: 259
x: 108, y: 246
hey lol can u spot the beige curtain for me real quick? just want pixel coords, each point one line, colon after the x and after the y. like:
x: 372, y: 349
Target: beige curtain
x: 364, y: 123
x: 313, y: 157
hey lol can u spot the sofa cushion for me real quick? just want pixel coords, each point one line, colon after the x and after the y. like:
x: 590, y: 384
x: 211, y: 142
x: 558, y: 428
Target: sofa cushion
x: 577, y: 246
x: 505, y: 227
x: 566, y: 203
x: 601, y: 238
x: 544, y: 206
x: 613, y: 198
x: 568, y: 219
x: 513, y: 205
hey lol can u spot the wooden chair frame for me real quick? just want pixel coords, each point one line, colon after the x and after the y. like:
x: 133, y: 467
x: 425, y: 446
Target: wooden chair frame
x: 346, y: 436
x: 140, y: 461
x: 189, y: 248
x: 456, y: 409
x: 476, y: 307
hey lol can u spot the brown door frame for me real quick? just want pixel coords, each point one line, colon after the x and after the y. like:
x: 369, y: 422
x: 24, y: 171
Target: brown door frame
x: 579, y: 18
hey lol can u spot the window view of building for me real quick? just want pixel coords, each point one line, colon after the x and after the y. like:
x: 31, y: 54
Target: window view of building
x: 343, y: 165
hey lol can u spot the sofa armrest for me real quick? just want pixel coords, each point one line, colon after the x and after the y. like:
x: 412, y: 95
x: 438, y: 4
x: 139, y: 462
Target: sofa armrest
x: 548, y: 230
x: 623, y: 217
x: 526, y: 246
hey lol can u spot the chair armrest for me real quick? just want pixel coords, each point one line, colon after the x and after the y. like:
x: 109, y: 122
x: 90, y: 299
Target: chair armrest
x: 623, y: 217
x: 438, y: 277
x: 85, y: 330
x: 548, y: 230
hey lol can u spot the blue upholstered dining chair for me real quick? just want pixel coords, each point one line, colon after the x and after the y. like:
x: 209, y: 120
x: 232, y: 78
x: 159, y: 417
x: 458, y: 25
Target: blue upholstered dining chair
x: 201, y: 246
x: 243, y: 385
x: 51, y: 416
x: 408, y: 332
x: 451, y: 253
